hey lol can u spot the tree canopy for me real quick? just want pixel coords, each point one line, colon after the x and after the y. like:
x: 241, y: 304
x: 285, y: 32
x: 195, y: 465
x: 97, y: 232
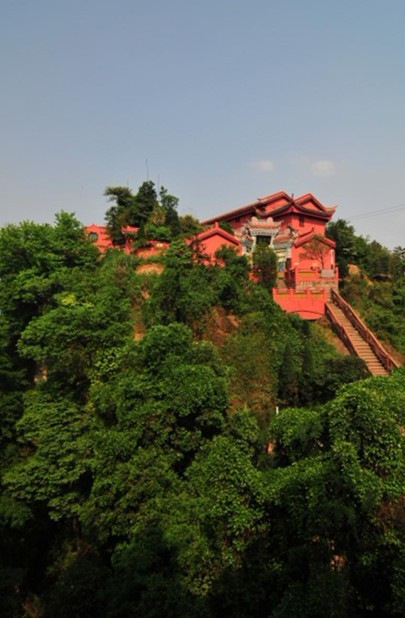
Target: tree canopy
x: 174, y: 444
x: 155, y: 214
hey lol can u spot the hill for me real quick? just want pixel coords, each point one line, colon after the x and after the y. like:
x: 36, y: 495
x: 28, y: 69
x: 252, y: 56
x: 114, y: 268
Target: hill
x: 174, y: 444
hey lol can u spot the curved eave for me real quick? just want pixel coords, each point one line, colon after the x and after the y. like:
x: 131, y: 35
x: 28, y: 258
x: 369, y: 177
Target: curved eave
x: 298, y: 209
x: 264, y: 203
x: 309, y: 197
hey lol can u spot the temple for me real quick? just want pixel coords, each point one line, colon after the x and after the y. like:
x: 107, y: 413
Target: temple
x: 295, y: 229
x: 293, y: 226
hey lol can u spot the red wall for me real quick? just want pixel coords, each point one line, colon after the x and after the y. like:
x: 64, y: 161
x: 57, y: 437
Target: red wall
x: 309, y: 305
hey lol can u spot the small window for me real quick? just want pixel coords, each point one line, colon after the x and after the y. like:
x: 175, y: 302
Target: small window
x: 302, y: 220
x: 92, y: 236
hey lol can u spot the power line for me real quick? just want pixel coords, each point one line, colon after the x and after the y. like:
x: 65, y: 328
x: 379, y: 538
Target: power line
x: 372, y: 213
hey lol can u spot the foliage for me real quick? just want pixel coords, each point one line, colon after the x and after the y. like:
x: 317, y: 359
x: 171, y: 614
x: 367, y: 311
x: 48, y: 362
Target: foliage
x: 231, y: 279
x: 373, y: 258
x: 182, y: 293
x: 189, y: 225
x: 346, y: 250
x: 265, y: 265
x: 288, y: 379
x: 148, y: 473
x: 316, y: 249
x: 142, y: 209
x: 337, y: 484
x: 380, y: 303
x: 225, y: 225
x: 166, y: 399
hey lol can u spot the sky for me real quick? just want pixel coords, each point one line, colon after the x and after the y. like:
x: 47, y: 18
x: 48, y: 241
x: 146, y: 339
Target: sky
x: 220, y: 101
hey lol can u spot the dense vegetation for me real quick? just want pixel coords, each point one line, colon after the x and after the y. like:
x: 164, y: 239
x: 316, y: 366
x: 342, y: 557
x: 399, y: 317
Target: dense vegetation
x: 175, y: 445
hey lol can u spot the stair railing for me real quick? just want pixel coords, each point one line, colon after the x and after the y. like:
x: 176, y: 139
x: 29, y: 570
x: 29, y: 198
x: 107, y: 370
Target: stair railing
x: 340, y: 330
x: 386, y: 359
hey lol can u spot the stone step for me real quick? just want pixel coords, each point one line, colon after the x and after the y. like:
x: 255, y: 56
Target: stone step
x: 361, y: 346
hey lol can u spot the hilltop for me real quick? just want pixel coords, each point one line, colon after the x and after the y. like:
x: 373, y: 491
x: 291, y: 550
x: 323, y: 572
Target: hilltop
x: 173, y: 443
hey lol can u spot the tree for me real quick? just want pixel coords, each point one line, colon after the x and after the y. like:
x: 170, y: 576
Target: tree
x: 399, y: 261
x: 140, y: 210
x: 169, y: 203
x: 288, y: 379
x: 316, y: 249
x: 183, y: 292
x: 121, y: 213
x: 129, y: 209
x: 344, y: 236
x: 335, y: 494
x: 189, y: 225
x: 231, y: 278
x: 144, y: 202
x: 306, y: 376
x: 38, y: 263
x: 216, y: 516
x: 54, y: 474
x: 265, y: 265
x: 158, y: 405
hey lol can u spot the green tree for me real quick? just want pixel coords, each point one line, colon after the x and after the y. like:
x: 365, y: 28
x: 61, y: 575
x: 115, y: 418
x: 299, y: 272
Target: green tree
x: 344, y: 236
x: 189, y: 225
x: 335, y: 493
x: 306, y: 375
x: 218, y: 514
x: 119, y: 215
x: 160, y: 403
x: 265, y: 265
x: 398, y: 261
x: 143, y: 209
x: 144, y: 202
x: 183, y: 292
x: 169, y: 204
x: 54, y: 474
x: 288, y: 379
x: 377, y: 261
x: 316, y: 249
x: 231, y: 278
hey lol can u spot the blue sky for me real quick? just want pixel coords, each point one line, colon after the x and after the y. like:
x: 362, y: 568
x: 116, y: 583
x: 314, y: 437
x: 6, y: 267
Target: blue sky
x: 219, y: 101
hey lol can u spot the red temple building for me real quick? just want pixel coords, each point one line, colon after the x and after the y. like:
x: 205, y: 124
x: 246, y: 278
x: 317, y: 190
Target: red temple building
x: 295, y: 229
x: 307, y: 281
x: 293, y: 226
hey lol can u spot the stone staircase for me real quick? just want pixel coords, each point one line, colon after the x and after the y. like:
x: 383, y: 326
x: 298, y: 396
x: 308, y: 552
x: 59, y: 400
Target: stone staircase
x: 357, y: 337
x: 358, y: 344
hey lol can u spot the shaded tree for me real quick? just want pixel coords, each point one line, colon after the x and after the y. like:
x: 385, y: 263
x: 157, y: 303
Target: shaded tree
x: 288, y: 379
x: 265, y: 265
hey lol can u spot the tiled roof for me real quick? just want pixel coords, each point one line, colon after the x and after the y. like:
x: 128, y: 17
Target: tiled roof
x: 275, y: 203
